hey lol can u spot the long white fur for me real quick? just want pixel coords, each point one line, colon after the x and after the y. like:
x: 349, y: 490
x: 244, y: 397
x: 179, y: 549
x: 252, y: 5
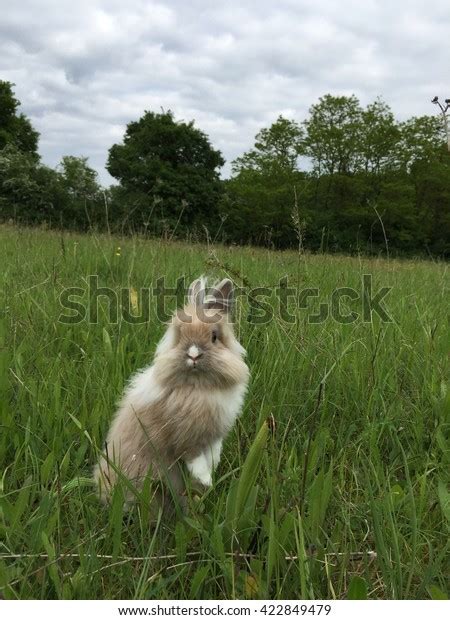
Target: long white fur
x: 143, y: 390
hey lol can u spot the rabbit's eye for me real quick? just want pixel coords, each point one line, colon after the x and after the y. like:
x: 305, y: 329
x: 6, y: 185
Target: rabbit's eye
x: 214, y: 336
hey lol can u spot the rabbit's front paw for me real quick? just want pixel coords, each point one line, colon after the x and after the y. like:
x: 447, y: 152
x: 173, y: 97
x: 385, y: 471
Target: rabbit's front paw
x: 200, y: 469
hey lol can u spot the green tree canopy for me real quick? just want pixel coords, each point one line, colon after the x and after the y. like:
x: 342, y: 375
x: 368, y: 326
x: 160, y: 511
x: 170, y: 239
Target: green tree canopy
x: 364, y: 165
x: 79, y: 179
x: 172, y: 169
x: 29, y: 192
x: 422, y: 141
x: 379, y: 137
x: 15, y: 128
x: 277, y: 149
x: 333, y: 134
x: 367, y: 181
x: 261, y: 194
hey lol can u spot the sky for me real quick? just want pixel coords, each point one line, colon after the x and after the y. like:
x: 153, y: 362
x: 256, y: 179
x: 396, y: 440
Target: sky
x: 84, y: 69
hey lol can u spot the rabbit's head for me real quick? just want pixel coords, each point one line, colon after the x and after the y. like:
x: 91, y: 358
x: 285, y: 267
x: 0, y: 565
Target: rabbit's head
x: 199, y: 346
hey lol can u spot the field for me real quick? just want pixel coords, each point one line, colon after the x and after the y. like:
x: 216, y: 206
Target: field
x: 344, y: 491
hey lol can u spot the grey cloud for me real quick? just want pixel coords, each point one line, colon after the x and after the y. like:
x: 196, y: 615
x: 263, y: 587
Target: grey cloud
x: 83, y: 70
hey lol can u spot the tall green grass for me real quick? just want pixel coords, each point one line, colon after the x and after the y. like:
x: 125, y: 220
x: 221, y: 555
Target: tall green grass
x: 332, y: 484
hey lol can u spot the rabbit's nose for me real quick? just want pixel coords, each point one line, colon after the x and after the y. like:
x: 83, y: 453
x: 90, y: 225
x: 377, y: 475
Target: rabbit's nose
x: 194, y: 353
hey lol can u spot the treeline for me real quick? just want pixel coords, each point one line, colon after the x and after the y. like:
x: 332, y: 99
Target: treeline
x: 347, y: 178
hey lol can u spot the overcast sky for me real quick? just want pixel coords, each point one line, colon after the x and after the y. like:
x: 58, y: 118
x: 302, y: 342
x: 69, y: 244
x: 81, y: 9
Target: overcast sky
x: 85, y: 68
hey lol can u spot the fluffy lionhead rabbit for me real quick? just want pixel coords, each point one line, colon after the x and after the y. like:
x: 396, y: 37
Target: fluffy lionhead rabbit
x: 179, y: 409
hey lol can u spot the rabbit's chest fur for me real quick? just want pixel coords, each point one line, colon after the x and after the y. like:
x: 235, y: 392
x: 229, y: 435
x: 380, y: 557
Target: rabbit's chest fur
x: 185, y: 418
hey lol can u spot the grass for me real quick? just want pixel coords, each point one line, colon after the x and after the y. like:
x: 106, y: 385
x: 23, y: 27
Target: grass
x: 344, y: 494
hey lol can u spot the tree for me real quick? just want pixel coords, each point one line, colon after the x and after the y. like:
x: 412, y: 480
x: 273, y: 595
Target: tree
x: 276, y: 149
x: 26, y: 187
x: 261, y: 195
x: 15, y: 128
x: 422, y: 141
x: 379, y: 137
x: 79, y: 179
x: 171, y: 170
x: 29, y: 192
x: 333, y: 134
x: 84, y: 204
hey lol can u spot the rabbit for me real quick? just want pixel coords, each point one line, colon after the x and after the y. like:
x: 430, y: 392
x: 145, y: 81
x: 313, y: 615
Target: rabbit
x: 180, y: 409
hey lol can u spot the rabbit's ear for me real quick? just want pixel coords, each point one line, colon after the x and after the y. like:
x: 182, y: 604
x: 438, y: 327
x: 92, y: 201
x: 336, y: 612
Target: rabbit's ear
x: 196, y: 292
x: 221, y: 296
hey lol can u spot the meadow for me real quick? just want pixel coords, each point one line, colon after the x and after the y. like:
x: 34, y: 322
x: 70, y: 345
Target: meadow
x: 333, y: 483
